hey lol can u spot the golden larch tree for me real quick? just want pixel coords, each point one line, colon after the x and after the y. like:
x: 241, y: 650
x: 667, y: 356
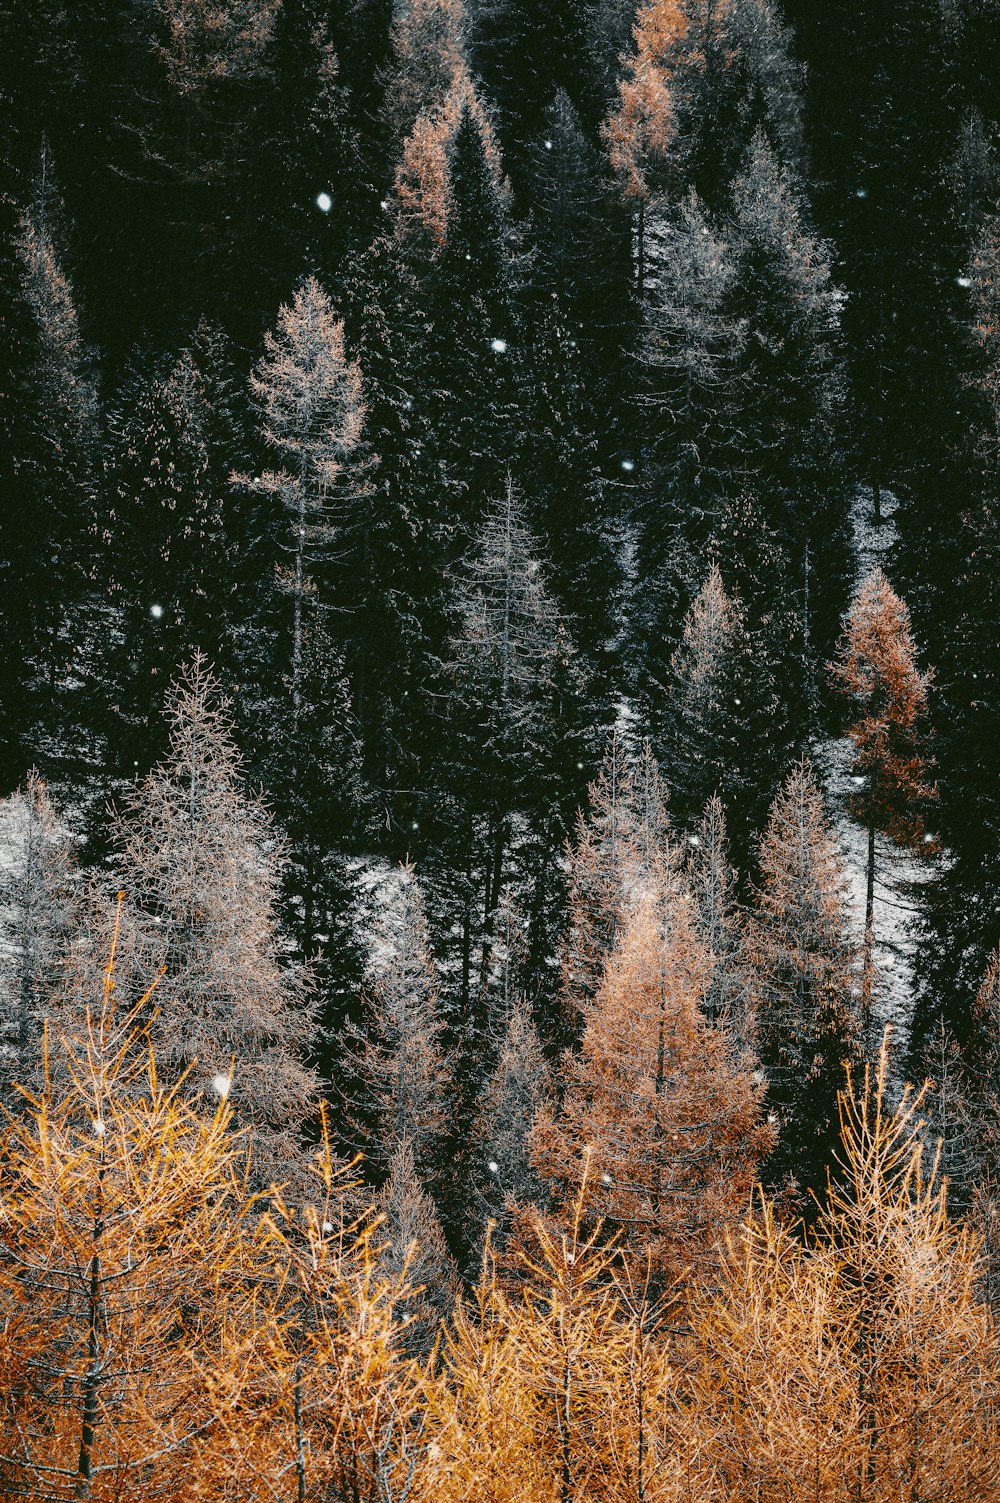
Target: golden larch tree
x: 123, y: 1215
x: 859, y: 1366
x: 657, y: 1099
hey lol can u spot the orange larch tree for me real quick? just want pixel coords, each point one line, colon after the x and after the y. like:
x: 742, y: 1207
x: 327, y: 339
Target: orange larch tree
x: 663, y: 1104
x: 556, y: 1391
x: 316, y: 1397
x: 639, y: 132
x: 428, y: 52
x: 876, y: 668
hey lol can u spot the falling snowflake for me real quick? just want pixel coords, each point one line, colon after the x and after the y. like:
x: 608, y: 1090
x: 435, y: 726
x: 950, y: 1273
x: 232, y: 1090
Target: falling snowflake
x: 221, y: 1085
x: 493, y: 1166
x: 156, y: 611
x: 324, y: 202
x: 498, y: 346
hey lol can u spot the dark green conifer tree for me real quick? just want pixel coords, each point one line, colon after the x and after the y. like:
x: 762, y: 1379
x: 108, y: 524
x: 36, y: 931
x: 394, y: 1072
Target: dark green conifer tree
x: 804, y: 983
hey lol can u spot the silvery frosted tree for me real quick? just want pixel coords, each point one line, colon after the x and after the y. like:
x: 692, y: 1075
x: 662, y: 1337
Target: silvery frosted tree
x: 36, y: 917
x: 395, y: 1075
x: 309, y: 393
x: 200, y: 863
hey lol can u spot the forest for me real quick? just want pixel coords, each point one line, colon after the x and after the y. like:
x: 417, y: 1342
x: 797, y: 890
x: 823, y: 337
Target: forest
x: 499, y: 774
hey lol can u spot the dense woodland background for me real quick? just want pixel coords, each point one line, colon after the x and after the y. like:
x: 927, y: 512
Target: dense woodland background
x: 500, y: 568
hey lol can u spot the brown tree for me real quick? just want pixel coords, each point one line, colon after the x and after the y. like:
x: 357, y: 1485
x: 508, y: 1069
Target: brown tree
x: 639, y: 133
x: 876, y: 669
x: 428, y: 52
x: 619, y: 844
x: 659, y: 1100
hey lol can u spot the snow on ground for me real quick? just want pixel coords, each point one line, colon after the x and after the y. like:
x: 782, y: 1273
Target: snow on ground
x: 899, y: 873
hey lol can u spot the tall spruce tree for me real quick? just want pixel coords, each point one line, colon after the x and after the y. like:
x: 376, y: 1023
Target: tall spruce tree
x: 516, y: 747
x: 182, y: 542
x: 524, y: 51
x: 47, y: 528
x: 713, y: 879
x: 713, y: 719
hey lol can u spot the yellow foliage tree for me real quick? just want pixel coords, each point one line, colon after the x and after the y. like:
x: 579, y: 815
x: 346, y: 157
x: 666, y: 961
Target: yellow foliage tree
x: 860, y: 1367
x: 557, y: 1392
x: 122, y: 1218
x: 316, y: 1397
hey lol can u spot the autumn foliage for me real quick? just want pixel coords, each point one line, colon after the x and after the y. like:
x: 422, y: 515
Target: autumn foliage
x: 164, y: 1334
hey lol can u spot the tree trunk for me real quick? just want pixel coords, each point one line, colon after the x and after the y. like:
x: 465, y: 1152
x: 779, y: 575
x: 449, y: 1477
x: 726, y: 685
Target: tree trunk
x: 92, y: 1378
x: 868, y: 973
x: 640, y: 252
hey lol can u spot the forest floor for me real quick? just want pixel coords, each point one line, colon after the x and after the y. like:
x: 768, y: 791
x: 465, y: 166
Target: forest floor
x: 900, y: 875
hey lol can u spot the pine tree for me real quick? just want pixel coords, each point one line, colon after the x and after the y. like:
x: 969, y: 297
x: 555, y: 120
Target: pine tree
x: 791, y: 378
x: 689, y: 411
x: 319, y: 800
x: 714, y: 719
x: 516, y: 732
x: 659, y: 1101
x: 309, y: 392
x: 712, y: 879
x: 876, y: 668
x: 396, y: 1071
x: 524, y: 52
x: 578, y: 240
x: 175, y: 528
x: 413, y: 1250
x: 566, y: 493
x: 37, y: 901
x: 736, y: 76
x: 307, y: 207
x: 200, y: 862
x: 962, y: 924
x: 500, y: 1175
x: 469, y: 371
x: 51, y: 412
x: 803, y: 983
